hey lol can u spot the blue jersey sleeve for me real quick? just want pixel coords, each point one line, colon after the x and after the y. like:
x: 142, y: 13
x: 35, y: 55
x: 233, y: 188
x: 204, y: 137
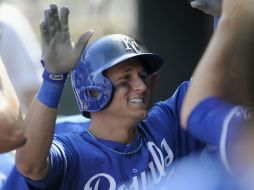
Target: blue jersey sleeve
x: 216, y: 122
x: 61, y: 155
x: 61, y: 151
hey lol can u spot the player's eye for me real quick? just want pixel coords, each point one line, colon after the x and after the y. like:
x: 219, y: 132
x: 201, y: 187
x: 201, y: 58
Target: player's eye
x: 125, y: 78
x: 143, y: 76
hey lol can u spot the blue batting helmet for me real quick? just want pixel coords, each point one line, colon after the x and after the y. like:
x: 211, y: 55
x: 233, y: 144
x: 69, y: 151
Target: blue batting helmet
x: 92, y: 89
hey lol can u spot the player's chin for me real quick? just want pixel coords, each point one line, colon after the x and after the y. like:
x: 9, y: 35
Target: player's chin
x: 139, y: 111
x: 140, y: 114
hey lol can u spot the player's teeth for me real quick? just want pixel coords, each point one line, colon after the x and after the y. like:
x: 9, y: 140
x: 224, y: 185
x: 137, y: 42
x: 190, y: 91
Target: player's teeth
x: 136, y: 100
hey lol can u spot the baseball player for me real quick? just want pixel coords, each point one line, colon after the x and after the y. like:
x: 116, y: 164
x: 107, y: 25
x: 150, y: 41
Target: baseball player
x: 11, y: 122
x: 210, y: 103
x: 124, y: 145
x: 127, y: 145
x: 210, y: 106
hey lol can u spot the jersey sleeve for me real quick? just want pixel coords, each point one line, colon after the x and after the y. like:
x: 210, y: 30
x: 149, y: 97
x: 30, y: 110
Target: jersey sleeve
x: 60, y: 156
x: 217, y: 122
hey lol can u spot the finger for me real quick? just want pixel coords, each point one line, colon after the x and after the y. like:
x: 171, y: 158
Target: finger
x: 46, y: 17
x: 50, y: 22
x: 82, y: 42
x: 55, y: 16
x: 64, y: 13
x: 44, y: 33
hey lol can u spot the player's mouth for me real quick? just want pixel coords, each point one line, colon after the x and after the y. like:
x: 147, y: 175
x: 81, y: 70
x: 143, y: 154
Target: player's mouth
x: 136, y: 100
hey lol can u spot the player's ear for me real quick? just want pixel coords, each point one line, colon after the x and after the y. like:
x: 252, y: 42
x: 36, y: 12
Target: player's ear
x: 153, y: 81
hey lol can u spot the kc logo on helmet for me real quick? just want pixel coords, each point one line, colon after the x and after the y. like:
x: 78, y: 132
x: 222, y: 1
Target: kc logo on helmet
x: 131, y: 45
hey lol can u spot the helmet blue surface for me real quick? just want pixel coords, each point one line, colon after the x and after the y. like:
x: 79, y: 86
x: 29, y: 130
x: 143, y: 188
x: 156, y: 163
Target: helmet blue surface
x: 87, y: 77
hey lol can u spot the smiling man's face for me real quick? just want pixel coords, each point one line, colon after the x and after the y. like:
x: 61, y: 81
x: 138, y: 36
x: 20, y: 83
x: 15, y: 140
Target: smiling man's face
x: 132, y: 90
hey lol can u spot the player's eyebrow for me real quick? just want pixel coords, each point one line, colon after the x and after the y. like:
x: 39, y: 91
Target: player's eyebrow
x: 139, y: 67
x: 122, y: 73
x: 128, y: 69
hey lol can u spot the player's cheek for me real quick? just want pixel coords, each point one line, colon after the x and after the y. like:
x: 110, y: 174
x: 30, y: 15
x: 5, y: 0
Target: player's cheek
x: 122, y: 86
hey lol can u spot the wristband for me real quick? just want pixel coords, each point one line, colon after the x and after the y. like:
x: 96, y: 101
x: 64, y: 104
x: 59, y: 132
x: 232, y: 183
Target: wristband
x: 50, y: 94
x: 51, y: 89
x: 54, y: 78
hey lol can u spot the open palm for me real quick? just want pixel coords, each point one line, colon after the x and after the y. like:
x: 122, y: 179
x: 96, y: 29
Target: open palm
x: 60, y: 54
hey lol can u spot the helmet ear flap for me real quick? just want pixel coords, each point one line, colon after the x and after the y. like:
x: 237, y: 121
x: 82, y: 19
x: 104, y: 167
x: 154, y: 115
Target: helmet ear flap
x: 92, y: 92
x: 98, y: 96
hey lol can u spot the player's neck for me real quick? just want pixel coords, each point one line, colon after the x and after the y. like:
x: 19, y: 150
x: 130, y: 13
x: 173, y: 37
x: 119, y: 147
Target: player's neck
x: 115, y: 131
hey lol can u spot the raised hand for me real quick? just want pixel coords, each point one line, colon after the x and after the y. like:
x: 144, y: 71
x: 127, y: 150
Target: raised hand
x: 212, y: 7
x: 60, y: 54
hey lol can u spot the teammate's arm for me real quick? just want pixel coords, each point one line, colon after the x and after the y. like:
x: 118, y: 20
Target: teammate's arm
x: 60, y: 55
x: 12, y: 134
x: 220, y: 67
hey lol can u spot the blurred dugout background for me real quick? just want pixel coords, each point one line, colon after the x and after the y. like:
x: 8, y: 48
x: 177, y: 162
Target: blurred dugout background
x: 170, y: 28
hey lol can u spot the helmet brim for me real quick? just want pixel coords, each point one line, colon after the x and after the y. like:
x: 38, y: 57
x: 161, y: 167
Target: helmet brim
x: 152, y: 62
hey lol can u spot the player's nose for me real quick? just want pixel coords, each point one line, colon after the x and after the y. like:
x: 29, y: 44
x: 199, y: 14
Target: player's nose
x: 139, y: 84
